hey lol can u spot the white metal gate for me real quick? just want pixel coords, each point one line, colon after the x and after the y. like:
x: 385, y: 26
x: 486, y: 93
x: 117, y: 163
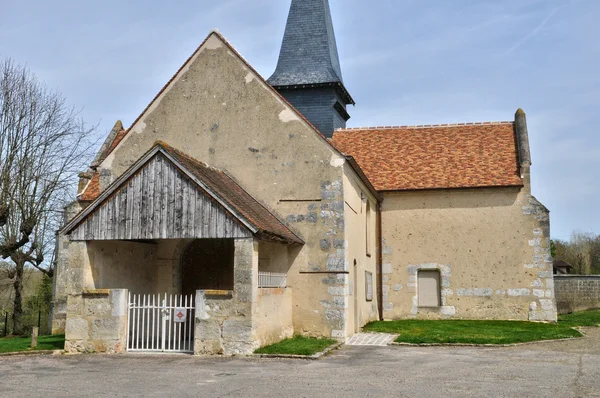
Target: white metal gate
x: 161, y: 323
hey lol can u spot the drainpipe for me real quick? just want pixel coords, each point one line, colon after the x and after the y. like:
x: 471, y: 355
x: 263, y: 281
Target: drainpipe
x: 379, y: 263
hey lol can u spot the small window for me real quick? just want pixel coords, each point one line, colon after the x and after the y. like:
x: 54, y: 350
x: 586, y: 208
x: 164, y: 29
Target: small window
x: 369, y: 285
x: 429, y: 289
x: 368, y: 231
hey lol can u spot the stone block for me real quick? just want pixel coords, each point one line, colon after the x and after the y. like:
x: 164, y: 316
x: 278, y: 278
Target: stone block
x: 334, y: 314
x: 97, y: 307
x: 336, y: 264
x: 325, y: 244
x: 207, y: 330
x: 74, y: 306
x: 538, y: 293
x: 547, y: 305
x: 537, y: 283
x: 519, y: 292
x: 77, y: 329
x: 106, y: 328
x: 237, y: 330
x: 243, y: 277
x: 339, y: 244
x: 387, y: 268
x: 448, y: 311
x: 239, y: 347
x: 208, y: 347
x: 464, y: 292
x: 336, y: 290
x: 340, y: 302
x: 119, y: 301
x: 485, y: 292
x: 397, y: 287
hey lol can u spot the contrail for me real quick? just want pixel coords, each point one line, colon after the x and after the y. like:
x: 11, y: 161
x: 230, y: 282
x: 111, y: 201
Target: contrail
x: 535, y: 31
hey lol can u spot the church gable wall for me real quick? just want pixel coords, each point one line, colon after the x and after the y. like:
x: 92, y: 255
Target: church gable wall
x: 218, y: 111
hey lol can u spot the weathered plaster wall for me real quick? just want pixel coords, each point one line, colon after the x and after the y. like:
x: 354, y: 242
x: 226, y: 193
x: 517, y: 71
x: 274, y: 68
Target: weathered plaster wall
x: 576, y: 292
x: 273, y: 257
x: 120, y: 265
x: 490, y: 245
x: 218, y: 111
x: 97, y: 321
x: 272, y: 316
x: 359, y: 258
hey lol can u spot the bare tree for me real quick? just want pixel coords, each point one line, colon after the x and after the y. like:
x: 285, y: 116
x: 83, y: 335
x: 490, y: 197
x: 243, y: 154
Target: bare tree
x: 582, y: 251
x: 43, y: 143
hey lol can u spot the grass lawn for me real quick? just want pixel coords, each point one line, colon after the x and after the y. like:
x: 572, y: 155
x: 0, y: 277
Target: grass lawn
x: 583, y: 318
x: 15, y: 344
x: 297, y: 345
x: 471, y: 332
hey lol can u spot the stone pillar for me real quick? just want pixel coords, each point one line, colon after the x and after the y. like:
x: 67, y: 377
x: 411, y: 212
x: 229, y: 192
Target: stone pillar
x: 71, y: 276
x: 224, y: 318
x: 97, y: 321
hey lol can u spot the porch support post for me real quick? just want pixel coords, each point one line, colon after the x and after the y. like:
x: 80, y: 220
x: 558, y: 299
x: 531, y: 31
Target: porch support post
x: 224, y: 319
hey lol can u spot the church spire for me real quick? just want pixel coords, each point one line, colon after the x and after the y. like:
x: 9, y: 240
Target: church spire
x: 308, y: 73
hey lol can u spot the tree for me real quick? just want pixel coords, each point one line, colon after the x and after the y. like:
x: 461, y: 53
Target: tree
x: 582, y: 251
x: 43, y: 143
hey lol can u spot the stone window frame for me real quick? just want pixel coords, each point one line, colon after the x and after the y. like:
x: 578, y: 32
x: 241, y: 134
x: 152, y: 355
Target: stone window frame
x: 445, y: 288
x: 369, y: 286
x: 420, y: 273
x: 368, y: 228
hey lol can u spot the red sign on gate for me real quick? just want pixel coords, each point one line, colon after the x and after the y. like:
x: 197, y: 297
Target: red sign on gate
x: 180, y: 315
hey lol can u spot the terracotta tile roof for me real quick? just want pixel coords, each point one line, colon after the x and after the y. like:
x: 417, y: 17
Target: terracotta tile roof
x: 120, y: 135
x: 235, y: 196
x: 434, y: 156
x: 92, y: 189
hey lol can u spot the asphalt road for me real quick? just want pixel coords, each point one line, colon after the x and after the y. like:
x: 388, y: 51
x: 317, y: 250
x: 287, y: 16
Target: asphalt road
x: 558, y: 369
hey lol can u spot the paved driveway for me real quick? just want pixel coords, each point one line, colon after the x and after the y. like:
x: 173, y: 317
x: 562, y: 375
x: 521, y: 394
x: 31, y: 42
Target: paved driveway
x: 559, y: 369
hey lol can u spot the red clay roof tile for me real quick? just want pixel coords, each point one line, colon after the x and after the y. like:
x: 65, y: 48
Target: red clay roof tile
x: 434, y: 157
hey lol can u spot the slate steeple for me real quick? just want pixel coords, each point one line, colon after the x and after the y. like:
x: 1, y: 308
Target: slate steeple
x: 308, y: 73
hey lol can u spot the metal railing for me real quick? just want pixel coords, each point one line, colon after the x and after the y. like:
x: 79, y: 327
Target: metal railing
x: 271, y: 280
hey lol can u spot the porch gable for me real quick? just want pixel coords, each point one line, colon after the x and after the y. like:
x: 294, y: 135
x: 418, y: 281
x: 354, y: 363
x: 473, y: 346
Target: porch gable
x: 167, y: 195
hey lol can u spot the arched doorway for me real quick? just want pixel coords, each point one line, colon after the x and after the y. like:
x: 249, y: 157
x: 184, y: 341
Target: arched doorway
x: 207, y: 264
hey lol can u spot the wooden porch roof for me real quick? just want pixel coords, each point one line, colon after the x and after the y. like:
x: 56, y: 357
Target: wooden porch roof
x: 169, y: 195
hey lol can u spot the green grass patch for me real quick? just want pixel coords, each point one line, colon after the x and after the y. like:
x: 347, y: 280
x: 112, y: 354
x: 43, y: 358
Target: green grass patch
x: 297, y: 345
x: 583, y: 318
x: 471, y: 332
x: 19, y: 344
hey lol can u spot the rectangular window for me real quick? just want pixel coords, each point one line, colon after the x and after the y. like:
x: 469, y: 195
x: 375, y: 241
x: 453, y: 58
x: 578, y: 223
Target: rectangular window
x: 368, y: 231
x: 369, y: 285
x: 429, y: 289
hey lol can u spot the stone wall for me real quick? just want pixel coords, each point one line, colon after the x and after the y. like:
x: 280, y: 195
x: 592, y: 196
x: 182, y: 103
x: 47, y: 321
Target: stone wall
x: 576, y: 292
x: 224, y: 319
x: 97, y: 321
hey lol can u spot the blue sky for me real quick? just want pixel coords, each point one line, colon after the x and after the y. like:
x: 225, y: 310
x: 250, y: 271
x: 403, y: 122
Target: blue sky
x: 404, y: 62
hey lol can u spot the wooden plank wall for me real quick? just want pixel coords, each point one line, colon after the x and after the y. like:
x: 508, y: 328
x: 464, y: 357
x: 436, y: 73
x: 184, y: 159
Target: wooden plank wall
x: 159, y: 202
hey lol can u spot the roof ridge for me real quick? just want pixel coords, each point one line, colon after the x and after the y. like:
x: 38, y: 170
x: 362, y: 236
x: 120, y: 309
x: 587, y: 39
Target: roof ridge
x: 425, y: 126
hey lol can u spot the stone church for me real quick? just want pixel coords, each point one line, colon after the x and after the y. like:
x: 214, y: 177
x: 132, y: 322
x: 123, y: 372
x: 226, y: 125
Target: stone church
x: 235, y: 212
